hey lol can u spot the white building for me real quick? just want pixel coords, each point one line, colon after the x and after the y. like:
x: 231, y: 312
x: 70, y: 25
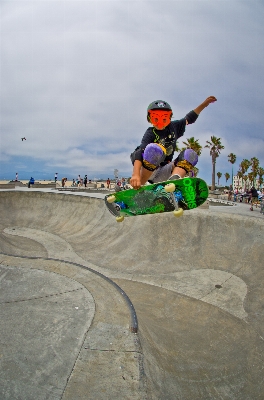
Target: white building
x: 239, y: 183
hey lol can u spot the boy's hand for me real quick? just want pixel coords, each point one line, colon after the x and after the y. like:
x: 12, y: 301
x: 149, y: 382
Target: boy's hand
x: 205, y: 103
x: 135, y: 181
x: 210, y: 99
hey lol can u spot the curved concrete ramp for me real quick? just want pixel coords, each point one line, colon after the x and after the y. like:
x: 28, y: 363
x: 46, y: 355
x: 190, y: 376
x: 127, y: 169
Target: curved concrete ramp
x: 196, y: 284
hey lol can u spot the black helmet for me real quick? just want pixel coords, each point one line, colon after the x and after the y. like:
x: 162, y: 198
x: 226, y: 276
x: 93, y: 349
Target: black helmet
x: 159, y: 104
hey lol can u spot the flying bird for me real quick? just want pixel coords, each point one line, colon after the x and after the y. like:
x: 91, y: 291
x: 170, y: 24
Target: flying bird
x: 23, y: 138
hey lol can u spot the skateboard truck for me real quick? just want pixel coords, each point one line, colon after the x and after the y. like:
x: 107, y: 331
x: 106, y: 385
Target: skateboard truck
x: 170, y: 188
x: 111, y: 199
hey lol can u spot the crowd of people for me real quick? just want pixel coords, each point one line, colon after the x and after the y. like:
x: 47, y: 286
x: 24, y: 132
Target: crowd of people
x: 119, y: 183
x: 79, y: 182
x: 252, y: 195
x: 237, y: 194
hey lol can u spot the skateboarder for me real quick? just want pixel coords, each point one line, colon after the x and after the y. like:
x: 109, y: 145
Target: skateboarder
x: 153, y: 159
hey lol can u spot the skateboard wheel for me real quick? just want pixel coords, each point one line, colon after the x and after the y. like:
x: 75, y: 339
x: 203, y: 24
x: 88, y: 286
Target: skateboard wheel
x: 111, y: 199
x: 170, y: 187
x: 120, y: 219
x: 178, y: 213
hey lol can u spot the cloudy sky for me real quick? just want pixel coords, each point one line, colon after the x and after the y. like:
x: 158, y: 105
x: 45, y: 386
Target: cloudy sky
x: 77, y: 77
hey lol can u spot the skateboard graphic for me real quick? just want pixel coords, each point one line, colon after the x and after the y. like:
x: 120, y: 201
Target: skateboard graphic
x: 169, y: 196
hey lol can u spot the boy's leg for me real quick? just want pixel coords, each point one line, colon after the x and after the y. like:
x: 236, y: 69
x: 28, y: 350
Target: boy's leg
x: 180, y: 172
x: 181, y: 166
x: 154, y: 154
x: 162, y: 174
x: 145, y: 175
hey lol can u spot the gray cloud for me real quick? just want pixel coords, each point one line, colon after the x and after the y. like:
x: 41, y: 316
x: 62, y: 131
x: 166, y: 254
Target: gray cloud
x: 77, y: 76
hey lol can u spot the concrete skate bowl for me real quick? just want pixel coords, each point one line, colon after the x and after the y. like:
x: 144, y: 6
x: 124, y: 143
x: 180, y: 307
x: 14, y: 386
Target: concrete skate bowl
x: 197, y: 285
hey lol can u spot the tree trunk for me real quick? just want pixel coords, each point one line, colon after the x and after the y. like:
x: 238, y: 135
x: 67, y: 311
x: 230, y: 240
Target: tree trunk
x: 213, y: 173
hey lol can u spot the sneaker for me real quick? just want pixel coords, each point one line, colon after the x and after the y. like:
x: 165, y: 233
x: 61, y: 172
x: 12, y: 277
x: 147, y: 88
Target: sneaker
x: 174, y: 177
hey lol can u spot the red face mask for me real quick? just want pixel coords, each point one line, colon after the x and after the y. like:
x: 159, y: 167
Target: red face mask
x: 160, y: 118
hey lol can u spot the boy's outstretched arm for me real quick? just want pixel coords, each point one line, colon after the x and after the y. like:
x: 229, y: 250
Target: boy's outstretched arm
x: 205, y: 103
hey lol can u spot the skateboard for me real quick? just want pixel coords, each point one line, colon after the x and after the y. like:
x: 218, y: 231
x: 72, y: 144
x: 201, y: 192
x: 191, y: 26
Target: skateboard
x: 169, y: 196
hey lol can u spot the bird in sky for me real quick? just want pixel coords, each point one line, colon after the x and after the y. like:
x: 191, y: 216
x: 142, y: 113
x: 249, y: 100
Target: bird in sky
x: 23, y: 138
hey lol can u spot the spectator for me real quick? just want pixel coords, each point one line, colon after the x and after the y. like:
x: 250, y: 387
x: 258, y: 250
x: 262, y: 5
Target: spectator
x: 254, y: 196
x: 31, y: 182
x: 78, y: 180
x: 118, y: 185
x: 63, y: 181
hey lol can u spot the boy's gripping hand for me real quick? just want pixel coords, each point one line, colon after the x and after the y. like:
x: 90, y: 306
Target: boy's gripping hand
x: 135, y: 181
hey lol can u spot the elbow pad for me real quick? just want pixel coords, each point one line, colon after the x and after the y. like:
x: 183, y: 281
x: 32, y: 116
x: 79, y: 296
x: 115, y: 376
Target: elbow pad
x: 191, y: 117
x: 137, y: 155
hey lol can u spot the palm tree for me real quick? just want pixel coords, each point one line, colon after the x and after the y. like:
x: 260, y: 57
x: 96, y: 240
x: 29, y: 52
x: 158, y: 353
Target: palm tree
x: 251, y: 178
x: 243, y: 167
x: 245, y: 178
x: 195, y: 171
x: 194, y: 145
x: 219, y: 174
x: 232, y: 160
x: 177, y: 149
x: 254, y: 162
x: 227, y: 176
x: 215, y: 147
x: 260, y: 173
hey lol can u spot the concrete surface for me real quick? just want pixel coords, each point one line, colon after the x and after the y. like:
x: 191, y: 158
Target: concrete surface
x: 195, y: 283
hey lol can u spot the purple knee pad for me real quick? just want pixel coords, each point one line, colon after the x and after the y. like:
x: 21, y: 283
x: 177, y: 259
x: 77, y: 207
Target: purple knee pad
x: 189, y: 155
x: 186, y: 160
x: 153, y: 155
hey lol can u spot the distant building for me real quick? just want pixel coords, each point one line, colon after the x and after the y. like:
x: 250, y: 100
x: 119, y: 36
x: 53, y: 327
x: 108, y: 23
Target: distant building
x: 239, y: 183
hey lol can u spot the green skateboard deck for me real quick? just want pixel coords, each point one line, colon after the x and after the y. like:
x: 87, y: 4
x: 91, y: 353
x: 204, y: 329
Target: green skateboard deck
x: 178, y: 195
